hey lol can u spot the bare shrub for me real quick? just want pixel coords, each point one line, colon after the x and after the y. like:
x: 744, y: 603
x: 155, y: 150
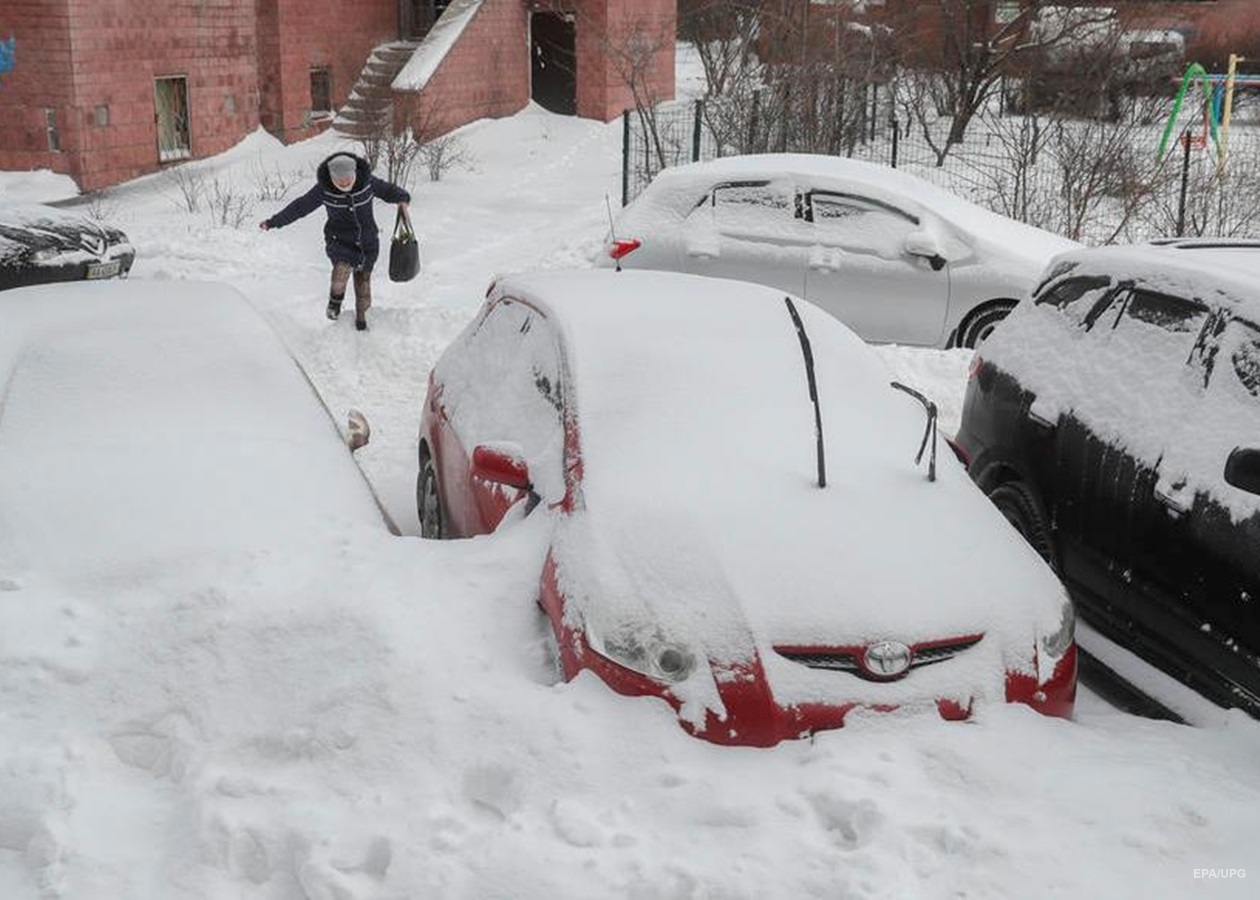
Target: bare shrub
x: 227, y: 206
x: 190, y: 184
x: 1219, y: 203
x: 271, y: 183
x: 442, y: 154
x: 101, y: 205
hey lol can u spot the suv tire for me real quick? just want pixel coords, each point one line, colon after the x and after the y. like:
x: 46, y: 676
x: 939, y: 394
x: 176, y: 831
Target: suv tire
x: 1022, y: 509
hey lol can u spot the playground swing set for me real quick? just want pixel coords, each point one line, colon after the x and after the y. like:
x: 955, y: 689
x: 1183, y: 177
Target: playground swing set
x: 1218, y: 106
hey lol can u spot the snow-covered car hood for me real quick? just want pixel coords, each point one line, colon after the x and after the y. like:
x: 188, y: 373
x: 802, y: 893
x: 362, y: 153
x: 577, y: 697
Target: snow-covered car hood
x: 168, y: 407
x: 699, y: 486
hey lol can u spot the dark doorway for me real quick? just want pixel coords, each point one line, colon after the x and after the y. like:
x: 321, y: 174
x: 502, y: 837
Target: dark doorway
x: 417, y: 17
x: 554, y: 79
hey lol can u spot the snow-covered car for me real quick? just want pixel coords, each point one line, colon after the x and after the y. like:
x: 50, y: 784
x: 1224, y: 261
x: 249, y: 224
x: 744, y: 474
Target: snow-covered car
x: 149, y: 427
x: 1115, y: 420
x: 41, y: 244
x: 894, y: 257
x: 664, y: 424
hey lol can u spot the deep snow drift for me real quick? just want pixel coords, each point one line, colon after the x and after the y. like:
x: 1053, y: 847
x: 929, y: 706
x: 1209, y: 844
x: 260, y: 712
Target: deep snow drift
x: 363, y: 717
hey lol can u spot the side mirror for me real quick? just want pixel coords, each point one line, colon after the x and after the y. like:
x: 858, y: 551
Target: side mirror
x: 920, y: 243
x: 1242, y: 470
x: 501, y: 463
x: 358, y: 431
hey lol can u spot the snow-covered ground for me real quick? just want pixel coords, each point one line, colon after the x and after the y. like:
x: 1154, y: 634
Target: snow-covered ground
x: 375, y: 721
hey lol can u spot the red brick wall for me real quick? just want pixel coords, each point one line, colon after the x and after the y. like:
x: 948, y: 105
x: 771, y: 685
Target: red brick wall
x: 40, y: 80
x: 621, y: 40
x: 336, y: 36
x: 245, y: 61
x: 486, y: 74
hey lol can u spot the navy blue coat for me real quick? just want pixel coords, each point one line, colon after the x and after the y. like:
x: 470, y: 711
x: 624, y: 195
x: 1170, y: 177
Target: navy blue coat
x: 350, y: 234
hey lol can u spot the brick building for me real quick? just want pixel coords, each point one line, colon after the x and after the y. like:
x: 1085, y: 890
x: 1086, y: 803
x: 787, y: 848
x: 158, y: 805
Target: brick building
x: 107, y: 90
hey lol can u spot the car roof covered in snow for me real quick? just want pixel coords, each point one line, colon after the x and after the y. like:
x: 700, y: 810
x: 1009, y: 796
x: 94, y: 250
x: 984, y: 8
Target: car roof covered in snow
x: 1214, y: 270
x: 171, y: 407
x: 680, y: 187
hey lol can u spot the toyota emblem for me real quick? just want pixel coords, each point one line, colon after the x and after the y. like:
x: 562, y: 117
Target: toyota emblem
x: 886, y: 659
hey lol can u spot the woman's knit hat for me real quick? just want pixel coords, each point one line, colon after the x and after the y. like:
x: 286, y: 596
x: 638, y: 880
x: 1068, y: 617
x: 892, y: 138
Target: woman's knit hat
x: 342, y: 167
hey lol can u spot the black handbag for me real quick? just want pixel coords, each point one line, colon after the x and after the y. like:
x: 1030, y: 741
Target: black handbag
x: 404, y: 250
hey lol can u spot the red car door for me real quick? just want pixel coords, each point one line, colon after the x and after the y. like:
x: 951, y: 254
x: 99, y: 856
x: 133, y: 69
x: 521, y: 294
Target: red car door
x: 499, y: 386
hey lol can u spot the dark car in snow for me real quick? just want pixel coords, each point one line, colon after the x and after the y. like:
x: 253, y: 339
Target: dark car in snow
x: 41, y: 244
x: 1115, y: 421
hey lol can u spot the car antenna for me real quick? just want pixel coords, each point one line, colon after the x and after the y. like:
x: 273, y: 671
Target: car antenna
x: 930, y: 431
x: 612, y: 229
x: 808, y: 353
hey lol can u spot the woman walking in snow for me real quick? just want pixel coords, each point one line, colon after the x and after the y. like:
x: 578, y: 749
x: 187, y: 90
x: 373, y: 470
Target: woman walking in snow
x: 346, y: 187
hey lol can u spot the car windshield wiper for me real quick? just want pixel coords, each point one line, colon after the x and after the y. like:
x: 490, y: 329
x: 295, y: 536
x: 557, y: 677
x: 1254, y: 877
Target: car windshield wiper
x: 929, y: 432
x: 813, y: 388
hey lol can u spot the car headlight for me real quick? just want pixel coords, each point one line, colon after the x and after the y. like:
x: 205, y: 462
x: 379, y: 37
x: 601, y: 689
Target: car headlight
x: 645, y: 651
x: 45, y: 255
x: 1056, y: 643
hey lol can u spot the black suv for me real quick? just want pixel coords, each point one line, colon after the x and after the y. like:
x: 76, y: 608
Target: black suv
x: 1115, y: 421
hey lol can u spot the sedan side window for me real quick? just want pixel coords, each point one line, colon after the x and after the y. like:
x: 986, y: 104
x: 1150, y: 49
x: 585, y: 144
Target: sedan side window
x: 847, y: 220
x: 509, y: 386
x: 755, y: 207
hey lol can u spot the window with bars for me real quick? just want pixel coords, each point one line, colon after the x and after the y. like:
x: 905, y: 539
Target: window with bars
x: 321, y: 92
x: 50, y: 125
x: 170, y: 98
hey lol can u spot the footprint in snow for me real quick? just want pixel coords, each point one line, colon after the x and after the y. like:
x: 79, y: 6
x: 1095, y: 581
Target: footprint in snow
x: 493, y: 787
x: 851, y: 825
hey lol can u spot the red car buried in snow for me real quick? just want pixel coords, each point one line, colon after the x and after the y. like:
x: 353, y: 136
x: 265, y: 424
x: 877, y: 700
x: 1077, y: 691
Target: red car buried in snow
x: 666, y: 424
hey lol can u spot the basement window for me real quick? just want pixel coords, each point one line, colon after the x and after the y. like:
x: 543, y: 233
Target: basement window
x: 321, y: 92
x: 50, y: 125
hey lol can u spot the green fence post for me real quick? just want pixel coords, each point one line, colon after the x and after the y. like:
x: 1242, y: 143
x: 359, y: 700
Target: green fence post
x: 625, y: 157
x: 695, y: 131
x: 1185, y: 185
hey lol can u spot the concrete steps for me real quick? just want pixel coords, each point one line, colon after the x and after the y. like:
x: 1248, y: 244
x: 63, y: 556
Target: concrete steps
x: 370, y: 107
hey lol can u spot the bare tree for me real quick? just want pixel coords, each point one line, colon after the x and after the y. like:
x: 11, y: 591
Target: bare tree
x: 724, y: 33
x: 972, y: 44
x: 635, y: 55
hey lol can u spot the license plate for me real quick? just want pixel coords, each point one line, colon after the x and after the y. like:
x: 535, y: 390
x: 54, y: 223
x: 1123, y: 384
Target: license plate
x: 103, y: 270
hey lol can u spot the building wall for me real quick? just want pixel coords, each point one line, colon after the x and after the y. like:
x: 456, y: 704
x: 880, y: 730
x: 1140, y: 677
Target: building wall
x: 246, y: 62
x: 485, y: 75
x: 620, y: 41
x: 41, y: 80
x: 336, y: 36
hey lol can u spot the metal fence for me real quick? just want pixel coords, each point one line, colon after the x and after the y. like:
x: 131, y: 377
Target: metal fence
x: 1185, y: 193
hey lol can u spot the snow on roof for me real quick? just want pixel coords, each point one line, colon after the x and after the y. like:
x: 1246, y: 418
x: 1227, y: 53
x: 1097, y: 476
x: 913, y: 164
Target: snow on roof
x: 1213, y: 270
x: 436, y: 44
x: 677, y: 189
